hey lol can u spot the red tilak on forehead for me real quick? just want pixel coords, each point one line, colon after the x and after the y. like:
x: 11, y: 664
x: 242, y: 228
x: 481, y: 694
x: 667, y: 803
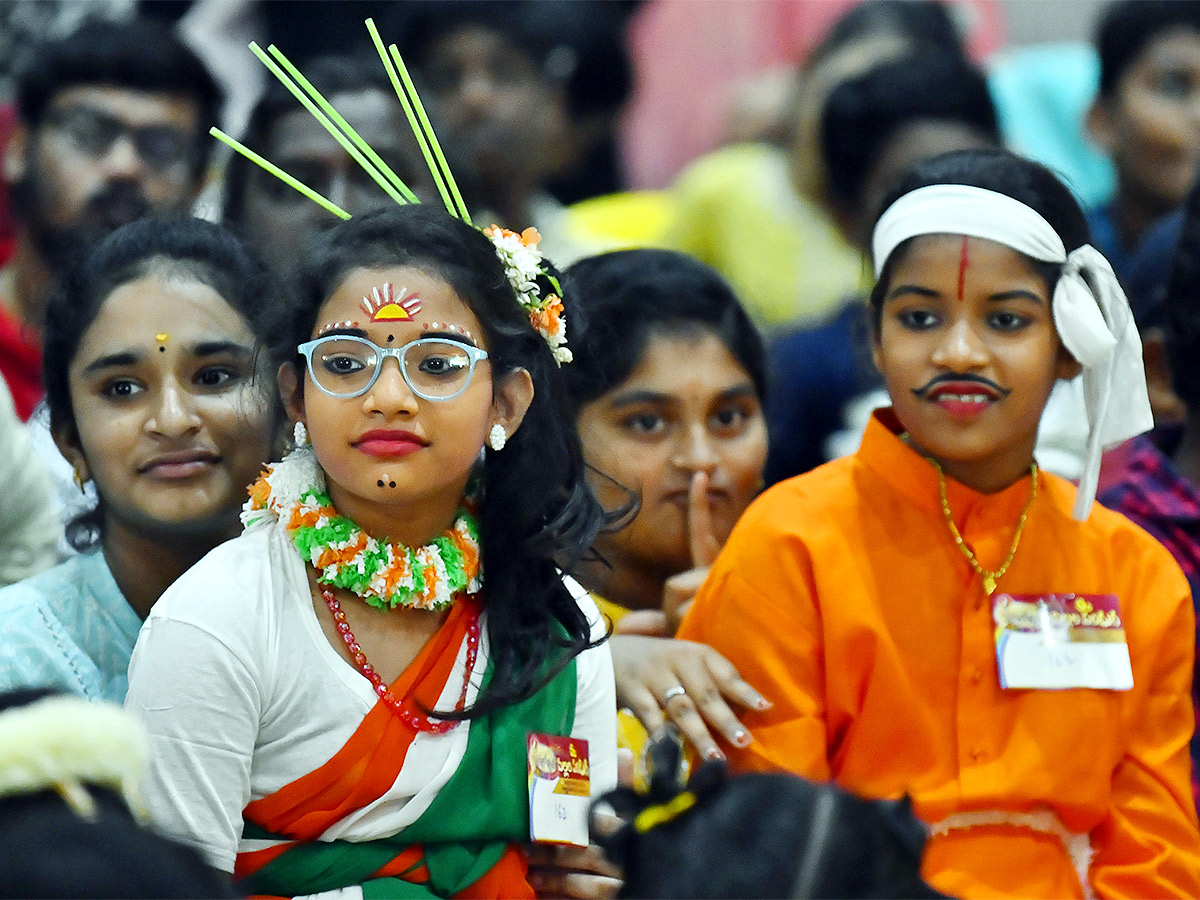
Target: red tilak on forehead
x: 964, y: 259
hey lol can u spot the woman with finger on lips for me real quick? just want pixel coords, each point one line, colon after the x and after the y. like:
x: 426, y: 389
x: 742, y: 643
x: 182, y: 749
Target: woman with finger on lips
x: 667, y: 388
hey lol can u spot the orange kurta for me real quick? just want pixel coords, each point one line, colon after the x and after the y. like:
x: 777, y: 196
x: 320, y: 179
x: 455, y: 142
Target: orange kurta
x: 841, y: 596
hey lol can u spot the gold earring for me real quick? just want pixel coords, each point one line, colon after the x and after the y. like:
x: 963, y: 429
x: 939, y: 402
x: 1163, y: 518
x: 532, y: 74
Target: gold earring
x: 78, y: 480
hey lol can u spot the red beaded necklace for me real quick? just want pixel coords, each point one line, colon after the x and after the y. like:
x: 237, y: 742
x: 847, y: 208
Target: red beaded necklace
x: 414, y: 720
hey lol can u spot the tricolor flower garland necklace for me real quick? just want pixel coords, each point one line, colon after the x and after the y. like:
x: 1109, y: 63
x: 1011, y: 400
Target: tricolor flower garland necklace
x: 384, y: 575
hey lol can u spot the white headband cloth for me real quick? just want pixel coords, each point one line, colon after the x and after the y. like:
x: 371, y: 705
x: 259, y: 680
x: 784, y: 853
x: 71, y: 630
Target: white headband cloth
x: 1091, y: 312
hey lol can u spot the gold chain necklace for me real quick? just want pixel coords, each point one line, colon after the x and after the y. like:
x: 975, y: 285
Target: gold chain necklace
x: 989, y: 577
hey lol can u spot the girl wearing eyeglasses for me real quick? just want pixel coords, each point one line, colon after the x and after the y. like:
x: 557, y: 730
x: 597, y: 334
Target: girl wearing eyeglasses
x: 342, y: 695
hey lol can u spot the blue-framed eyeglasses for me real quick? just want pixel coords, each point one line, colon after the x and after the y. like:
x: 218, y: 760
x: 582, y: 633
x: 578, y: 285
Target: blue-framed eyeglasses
x: 344, y: 365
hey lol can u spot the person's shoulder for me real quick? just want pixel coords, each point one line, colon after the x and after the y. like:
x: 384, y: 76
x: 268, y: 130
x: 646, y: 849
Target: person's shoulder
x: 45, y: 622
x: 235, y: 578
x: 587, y: 604
x: 802, y: 509
x: 829, y: 484
x: 1111, y: 534
x: 52, y: 587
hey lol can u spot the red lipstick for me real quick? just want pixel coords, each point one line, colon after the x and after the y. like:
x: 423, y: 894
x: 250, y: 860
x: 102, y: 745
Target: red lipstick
x: 964, y: 400
x: 388, y: 443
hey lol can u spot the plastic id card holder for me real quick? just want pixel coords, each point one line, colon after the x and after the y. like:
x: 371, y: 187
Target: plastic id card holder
x: 559, y: 789
x: 1061, y: 641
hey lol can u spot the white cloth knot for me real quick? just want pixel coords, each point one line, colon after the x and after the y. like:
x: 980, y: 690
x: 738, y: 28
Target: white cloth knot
x: 1096, y: 326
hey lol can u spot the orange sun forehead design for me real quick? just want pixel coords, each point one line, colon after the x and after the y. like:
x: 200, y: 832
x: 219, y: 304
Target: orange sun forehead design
x: 382, y: 305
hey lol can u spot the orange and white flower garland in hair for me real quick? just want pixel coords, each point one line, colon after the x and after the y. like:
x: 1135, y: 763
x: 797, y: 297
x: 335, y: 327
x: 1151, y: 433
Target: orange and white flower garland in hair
x: 522, y: 260
x: 385, y: 575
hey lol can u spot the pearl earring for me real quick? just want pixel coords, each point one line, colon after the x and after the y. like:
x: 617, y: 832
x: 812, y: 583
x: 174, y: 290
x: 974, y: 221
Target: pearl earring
x: 299, y: 435
x: 497, y: 437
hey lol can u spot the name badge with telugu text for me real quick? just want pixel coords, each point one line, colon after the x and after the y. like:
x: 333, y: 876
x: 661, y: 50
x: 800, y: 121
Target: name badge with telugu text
x: 559, y: 789
x: 1060, y: 641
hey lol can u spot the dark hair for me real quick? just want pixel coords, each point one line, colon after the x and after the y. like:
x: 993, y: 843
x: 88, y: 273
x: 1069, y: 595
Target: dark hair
x: 1005, y: 173
x: 331, y: 75
x: 1128, y: 26
x: 140, y: 55
x: 924, y: 23
x: 536, y: 507
x: 575, y: 43
x: 862, y: 114
x: 192, y: 247
x: 765, y: 835
x: 1181, y: 306
x: 622, y: 299
x: 50, y: 850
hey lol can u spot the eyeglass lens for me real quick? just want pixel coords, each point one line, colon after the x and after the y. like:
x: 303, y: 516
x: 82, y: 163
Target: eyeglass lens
x: 94, y: 132
x: 431, y: 368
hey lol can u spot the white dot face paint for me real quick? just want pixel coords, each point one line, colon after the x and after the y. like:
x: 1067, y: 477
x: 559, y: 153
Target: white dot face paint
x: 444, y: 327
x: 344, y: 325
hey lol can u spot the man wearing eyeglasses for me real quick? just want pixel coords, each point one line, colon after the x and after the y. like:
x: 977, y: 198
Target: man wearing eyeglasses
x: 113, y: 123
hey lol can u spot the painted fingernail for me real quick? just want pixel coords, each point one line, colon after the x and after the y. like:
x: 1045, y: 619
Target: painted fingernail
x: 537, y: 880
x: 741, y: 739
x: 762, y: 703
x: 713, y: 753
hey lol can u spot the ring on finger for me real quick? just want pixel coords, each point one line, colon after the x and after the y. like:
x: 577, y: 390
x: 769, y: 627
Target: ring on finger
x: 671, y: 693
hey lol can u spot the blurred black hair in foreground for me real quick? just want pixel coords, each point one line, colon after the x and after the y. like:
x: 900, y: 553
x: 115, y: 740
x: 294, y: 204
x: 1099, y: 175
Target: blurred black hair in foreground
x: 68, y: 772
x: 759, y: 835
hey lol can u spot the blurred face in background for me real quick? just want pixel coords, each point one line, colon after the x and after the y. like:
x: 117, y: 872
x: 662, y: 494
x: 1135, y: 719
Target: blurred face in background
x: 502, y: 112
x: 1150, y: 126
x: 100, y: 158
x: 279, y: 221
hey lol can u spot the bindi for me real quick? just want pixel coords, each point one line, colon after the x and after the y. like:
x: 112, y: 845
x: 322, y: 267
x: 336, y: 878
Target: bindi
x: 382, y: 306
x: 162, y: 339
x: 964, y: 260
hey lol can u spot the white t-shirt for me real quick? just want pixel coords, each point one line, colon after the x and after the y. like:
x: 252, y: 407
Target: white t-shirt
x: 242, y: 693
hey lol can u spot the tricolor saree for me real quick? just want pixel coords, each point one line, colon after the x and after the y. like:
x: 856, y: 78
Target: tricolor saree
x: 465, y: 844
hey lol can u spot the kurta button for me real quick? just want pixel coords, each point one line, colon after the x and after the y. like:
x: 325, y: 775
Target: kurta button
x: 976, y: 676
x: 976, y: 755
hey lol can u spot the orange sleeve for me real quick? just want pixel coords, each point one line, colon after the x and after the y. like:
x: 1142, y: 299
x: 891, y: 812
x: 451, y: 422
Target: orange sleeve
x: 1148, y: 845
x: 774, y: 640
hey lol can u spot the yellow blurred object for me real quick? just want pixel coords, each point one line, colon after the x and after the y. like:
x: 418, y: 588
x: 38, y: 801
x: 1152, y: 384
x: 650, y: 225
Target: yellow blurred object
x: 738, y: 210
x: 621, y: 221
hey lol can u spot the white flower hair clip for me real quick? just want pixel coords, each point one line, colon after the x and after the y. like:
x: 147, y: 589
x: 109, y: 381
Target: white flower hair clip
x: 519, y: 252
